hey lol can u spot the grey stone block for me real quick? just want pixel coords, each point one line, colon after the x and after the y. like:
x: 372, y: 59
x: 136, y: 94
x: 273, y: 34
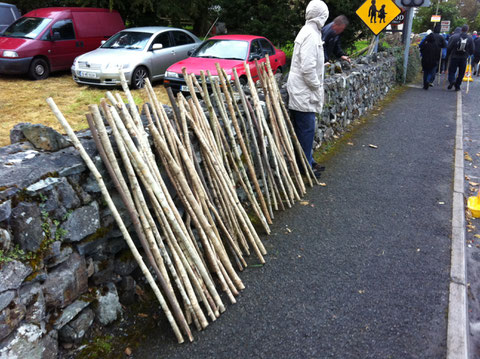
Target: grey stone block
x: 82, y: 222
x: 26, y: 223
x: 5, y: 210
x: 69, y: 313
x: 74, y: 331
x: 108, y: 307
x: 66, y: 282
x: 12, y: 274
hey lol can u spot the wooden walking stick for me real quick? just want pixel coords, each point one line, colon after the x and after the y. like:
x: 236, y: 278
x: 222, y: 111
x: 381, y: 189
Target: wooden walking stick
x: 116, y: 215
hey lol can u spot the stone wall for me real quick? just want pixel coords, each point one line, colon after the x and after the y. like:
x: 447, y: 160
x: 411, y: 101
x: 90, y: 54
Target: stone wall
x: 64, y: 266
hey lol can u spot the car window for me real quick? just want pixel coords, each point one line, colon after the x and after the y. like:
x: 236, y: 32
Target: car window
x: 27, y: 27
x: 182, y: 38
x: 131, y: 40
x: 223, y: 49
x: 164, y: 39
x: 267, y: 47
x: 255, y: 48
x: 64, y: 30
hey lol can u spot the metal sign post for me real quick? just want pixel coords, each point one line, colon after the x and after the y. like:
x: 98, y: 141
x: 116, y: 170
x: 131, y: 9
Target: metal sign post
x: 407, y: 32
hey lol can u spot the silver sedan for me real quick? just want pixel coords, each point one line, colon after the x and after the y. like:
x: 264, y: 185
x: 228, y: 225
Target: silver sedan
x: 141, y: 52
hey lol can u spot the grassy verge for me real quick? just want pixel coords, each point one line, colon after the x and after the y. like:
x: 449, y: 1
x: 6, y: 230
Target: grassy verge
x: 23, y: 100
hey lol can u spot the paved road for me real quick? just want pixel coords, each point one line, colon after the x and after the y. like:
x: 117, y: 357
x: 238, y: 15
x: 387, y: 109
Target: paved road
x: 364, y: 272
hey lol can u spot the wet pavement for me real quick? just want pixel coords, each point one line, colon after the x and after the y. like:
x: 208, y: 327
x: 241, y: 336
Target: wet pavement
x: 360, y: 268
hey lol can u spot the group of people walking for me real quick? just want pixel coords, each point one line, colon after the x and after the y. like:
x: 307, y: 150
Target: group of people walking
x: 459, y: 49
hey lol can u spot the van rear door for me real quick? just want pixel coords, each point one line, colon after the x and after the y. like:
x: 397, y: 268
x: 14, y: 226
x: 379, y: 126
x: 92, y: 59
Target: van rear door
x: 64, y: 44
x: 93, y: 27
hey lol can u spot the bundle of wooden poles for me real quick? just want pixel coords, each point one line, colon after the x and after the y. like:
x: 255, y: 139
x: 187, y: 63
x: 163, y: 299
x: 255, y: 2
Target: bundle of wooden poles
x: 190, y: 248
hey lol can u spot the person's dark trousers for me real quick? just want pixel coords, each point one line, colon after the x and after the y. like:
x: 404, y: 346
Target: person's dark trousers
x: 455, y: 63
x: 304, y: 125
x: 428, y: 77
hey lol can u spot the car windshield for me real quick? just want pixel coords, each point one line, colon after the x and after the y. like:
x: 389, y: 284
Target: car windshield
x: 27, y: 27
x: 223, y: 49
x: 128, y: 40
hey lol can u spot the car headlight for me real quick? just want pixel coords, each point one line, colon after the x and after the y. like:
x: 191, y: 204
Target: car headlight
x: 9, y: 53
x: 172, y: 74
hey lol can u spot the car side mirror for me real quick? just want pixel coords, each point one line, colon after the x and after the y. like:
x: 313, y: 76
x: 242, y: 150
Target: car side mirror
x: 157, y: 47
x: 102, y: 42
x: 254, y: 57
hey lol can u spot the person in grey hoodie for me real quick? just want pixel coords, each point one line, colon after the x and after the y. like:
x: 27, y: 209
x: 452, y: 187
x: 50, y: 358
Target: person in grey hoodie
x: 305, y: 80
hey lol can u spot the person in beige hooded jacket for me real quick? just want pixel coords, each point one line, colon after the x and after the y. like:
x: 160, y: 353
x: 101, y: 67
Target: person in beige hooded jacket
x: 305, y: 80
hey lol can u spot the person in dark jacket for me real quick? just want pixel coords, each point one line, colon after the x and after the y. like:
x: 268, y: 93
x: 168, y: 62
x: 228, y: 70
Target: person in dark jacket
x: 430, y: 55
x: 460, y: 47
x: 476, y: 55
x: 331, y: 38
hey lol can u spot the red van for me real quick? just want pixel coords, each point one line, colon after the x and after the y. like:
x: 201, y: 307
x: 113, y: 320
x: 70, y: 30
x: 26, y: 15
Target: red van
x: 49, y: 39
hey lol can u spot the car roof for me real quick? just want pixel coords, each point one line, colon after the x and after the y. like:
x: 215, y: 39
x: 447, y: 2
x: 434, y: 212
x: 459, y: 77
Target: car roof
x: 52, y: 11
x: 4, y: 4
x: 236, y: 37
x: 152, y: 29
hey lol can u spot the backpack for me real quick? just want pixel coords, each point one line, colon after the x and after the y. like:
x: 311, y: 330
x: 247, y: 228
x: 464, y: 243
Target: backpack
x: 462, y: 44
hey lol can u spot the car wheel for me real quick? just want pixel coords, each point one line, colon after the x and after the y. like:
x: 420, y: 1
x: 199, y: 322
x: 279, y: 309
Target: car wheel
x: 138, y: 77
x: 39, y: 69
x: 243, y: 81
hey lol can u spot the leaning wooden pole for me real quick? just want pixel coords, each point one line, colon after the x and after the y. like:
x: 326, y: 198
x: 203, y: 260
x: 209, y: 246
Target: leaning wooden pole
x: 117, y: 217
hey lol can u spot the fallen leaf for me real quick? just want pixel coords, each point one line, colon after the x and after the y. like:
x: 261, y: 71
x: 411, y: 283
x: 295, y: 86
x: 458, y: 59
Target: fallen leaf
x: 441, y: 202
x: 477, y: 236
x: 142, y: 315
x: 304, y: 203
x: 323, y: 184
x: 361, y: 291
x: 473, y: 183
x: 467, y: 178
x: 289, y: 230
x: 467, y: 157
x: 350, y: 143
x: 372, y: 146
x: 128, y: 351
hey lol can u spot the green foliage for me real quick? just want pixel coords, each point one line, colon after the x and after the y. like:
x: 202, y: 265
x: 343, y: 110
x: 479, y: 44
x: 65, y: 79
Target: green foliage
x: 448, y: 11
x: 14, y: 253
x: 414, y: 63
x: 288, y: 49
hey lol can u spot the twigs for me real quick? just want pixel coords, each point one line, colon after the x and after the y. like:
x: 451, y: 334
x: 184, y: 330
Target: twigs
x: 229, y: 163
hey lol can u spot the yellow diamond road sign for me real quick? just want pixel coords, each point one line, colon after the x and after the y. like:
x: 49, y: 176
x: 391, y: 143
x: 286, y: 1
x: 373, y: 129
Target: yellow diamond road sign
x: 377, y: 14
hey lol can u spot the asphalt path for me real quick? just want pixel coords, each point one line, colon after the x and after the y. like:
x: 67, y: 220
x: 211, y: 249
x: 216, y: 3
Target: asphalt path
x: 360, y: 269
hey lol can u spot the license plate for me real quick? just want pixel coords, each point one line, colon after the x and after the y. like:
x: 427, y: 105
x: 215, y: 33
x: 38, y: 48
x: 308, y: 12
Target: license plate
x: 91, y: 75
x: 184, y: 88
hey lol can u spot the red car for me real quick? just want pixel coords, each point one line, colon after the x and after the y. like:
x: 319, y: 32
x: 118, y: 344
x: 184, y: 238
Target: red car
x: 230, y: 51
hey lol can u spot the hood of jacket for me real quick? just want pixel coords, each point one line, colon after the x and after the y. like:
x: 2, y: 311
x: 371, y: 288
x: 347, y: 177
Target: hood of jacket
x: 316, y: 13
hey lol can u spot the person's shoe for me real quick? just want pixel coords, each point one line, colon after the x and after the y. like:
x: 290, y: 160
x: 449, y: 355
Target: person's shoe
x: 450, y: 86
x: 318, y: 167
x: 457, y: 88
x: 430, y: 84
x: 317, y: 173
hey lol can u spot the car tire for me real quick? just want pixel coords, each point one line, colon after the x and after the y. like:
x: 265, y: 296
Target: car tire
x: 243, y: 81
x: 138, y: 77
x: 39, y: 69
